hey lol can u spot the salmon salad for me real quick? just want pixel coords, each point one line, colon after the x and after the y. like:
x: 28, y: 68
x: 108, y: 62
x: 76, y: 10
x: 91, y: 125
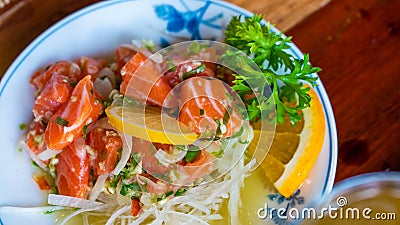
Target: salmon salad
x: 165, y: 136
x: 91, y: 165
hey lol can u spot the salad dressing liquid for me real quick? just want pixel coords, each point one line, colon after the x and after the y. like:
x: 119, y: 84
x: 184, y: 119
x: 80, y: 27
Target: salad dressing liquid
x: 253, y: 196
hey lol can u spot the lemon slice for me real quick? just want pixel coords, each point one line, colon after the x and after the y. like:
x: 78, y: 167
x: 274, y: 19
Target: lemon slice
x: 294, y: 149
x: 150, y: 124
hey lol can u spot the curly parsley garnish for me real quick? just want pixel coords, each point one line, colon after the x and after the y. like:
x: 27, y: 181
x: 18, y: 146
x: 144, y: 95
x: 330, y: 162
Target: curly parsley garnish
x: 268, y: 50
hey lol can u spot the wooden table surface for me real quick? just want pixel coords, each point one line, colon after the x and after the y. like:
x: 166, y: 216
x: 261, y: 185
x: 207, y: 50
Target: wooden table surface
x: 356, y: 43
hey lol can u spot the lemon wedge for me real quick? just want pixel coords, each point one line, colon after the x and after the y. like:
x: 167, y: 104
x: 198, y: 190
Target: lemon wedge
x: 150, y: 124
x: 294, y: 149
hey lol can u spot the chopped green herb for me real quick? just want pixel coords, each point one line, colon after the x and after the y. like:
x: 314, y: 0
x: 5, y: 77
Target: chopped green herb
x: 105, y: 103
x: 48, y: 66
x: 181, y: 147
x: 149, y: 44
x: 60, y: 121
x: 20, y: 149
x: 218, y: 132
x: 196, y: 47
x: 201, y: 112
x: 130, y: 189
x: 72, y: 83
x: 227, y: 115
x: 49, y: 211
x: 171, y: 65
x: 243, y: 142
x: 35, y: 164
x: 237, y: 134
x: 166, y: 195
x: 22, y: 126
x: 191, y: 155
x: 84, y: 130
x: 179, y: 192
x: 193, y: 72
x: 114, y: 181
x: 218, y: 154
x: 128, y: 171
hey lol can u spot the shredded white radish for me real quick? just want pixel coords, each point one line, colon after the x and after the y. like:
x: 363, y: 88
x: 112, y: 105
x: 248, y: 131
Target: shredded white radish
x: 63, y: 200
x: 188, y: 216
x: 197, y: 205
x: 98, y: 186
x: 48, y: 154
x: 126, y: 152
x: 143, y: 217
x: 117, y: 213
x: 227, y: 185
x: 234, y: 200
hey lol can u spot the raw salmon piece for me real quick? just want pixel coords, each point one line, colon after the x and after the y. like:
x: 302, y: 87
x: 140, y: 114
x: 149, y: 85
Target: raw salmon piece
x: 73, y: 170
x: 67, y: 123
x: 122, y: 55
x: 147, y: 85
x: 54, y: 94
x: 203, y: 101
x: 106, y: 144
x: 175, y: 76
x: 35, y: 137
x: 187, y: 172
x: 65, y: 68
x: 147, y: 150
x: 90, y: 66
x: 201, y: 166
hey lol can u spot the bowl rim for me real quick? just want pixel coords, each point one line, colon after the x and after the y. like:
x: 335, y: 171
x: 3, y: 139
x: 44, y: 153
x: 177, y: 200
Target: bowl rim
x: 331, y: 124
x: 365, y: 179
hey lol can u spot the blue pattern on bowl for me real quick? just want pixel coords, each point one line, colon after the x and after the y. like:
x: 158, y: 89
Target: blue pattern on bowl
x: 189, y: 20
x: 286, y: 203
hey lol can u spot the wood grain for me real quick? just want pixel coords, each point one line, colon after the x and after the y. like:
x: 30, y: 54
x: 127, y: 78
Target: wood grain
x: 284, y: 14
x: 357, y: 43
x: 23, y: 20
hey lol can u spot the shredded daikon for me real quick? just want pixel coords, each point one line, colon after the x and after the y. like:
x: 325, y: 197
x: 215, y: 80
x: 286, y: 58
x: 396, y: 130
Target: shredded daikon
x: 47, y: 154
x: 126, y: 152
x: 68, y: 201
x: 98, y: 186
x: 117, y: 213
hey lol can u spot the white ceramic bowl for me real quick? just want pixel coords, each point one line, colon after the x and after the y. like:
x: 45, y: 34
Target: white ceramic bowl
x: 96, y: 31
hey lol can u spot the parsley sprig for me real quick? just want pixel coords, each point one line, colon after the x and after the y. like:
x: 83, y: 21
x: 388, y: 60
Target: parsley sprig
x: 269, y: 50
